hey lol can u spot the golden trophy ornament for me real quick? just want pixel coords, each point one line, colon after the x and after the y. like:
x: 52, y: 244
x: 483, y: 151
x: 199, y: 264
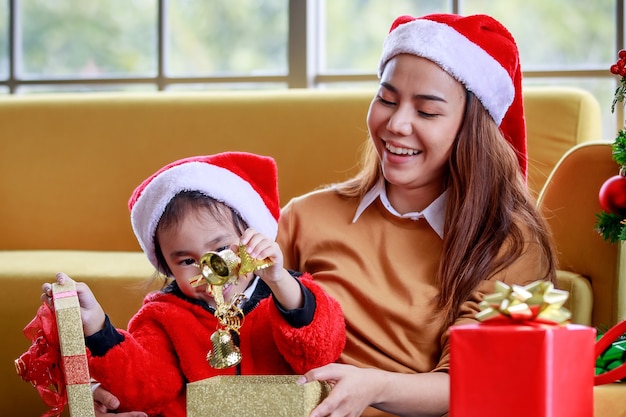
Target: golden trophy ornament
x: 216, y: 270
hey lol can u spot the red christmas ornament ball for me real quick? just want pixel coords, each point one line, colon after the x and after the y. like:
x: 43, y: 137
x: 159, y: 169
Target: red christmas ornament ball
x: 612, y: 196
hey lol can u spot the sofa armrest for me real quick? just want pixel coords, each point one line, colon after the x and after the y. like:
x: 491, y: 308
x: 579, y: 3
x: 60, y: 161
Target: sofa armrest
x: 580, y: 300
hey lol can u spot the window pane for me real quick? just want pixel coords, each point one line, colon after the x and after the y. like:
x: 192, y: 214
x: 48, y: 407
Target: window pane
x: 225, y: 86
x: 355, y: 30
x: 4, y: 40
x: 84, y: 88
x: 88, y: 39
x: 235, y: 37
x: 342, y: 85
x: 556, y: 34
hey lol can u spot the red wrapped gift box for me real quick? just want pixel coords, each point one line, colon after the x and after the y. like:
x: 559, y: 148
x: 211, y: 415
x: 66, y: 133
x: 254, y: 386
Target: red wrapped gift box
x: 521, y: 370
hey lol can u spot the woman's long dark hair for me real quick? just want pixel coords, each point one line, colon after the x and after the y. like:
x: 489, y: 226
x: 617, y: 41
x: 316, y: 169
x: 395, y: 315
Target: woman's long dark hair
x: 488, y: 204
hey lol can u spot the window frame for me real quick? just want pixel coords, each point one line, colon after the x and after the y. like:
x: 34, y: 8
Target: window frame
x: 304, y: 49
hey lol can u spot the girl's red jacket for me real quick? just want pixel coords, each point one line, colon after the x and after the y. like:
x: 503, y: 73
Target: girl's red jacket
x: 167, y: 342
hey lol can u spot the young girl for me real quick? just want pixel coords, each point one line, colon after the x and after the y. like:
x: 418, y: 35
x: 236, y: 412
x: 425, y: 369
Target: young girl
x: 184, y: 210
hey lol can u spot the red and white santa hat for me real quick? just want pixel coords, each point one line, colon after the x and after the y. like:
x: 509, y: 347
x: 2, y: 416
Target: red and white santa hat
x: 480, y: 53
x: 248, y: 183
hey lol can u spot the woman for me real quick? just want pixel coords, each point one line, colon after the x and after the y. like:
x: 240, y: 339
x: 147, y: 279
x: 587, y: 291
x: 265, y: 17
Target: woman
x: 439, y: 212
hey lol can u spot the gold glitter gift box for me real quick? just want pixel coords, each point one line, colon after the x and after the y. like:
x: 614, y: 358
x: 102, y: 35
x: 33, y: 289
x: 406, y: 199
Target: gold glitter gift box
x: 72, y: 342
x: 253, y: 396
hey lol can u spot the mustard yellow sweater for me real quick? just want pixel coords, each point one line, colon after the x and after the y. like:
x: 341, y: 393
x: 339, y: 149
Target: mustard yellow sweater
x: 381, y: 270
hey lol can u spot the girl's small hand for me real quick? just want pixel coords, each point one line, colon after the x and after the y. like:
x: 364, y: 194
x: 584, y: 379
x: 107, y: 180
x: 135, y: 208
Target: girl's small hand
x: 285, y: 288
x: 91, y: 312
x: 104, y: 401
x: 260, y: 246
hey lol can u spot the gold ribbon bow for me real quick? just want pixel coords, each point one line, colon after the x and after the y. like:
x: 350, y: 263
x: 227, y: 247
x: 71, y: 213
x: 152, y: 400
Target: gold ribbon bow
x: 536, y: 302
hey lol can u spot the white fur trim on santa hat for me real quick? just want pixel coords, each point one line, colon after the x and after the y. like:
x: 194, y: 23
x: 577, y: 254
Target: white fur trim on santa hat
x: 467, y: 62
x: 216, y: 182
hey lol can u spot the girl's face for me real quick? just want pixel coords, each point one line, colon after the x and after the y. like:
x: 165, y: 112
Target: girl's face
x: 184, y: 244
x: 413, y: 122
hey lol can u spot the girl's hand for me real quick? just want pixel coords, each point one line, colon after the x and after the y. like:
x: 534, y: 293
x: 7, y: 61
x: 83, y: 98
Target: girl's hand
x: 91, y: 312
x: 285, y: 288
x: 105, y: 401
x: 260, y: 246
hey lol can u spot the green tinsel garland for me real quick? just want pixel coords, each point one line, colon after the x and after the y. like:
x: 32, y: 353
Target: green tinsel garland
x: 619, y: 148
x: 611, y: 226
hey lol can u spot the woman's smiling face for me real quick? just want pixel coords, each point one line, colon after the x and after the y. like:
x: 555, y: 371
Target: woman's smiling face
x: 413, y: 121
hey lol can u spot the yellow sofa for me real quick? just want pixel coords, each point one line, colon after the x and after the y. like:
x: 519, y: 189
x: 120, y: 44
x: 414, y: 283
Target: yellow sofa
x: 68, y: 164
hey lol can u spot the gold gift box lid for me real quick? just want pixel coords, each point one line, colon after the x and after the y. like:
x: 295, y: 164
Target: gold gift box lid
x: 254, y: 395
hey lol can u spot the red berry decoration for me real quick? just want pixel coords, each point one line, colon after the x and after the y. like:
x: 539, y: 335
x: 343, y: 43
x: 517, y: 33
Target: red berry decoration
x: 612, y: 196
x: 619, y: 69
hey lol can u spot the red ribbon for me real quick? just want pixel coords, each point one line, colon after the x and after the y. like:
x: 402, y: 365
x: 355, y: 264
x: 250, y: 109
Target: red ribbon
x: 603, y: 344
x: 41, y: 363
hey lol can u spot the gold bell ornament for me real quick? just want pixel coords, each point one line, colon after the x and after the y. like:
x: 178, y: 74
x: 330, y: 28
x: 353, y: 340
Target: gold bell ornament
x: 224, y: 353
x: 218, y: 269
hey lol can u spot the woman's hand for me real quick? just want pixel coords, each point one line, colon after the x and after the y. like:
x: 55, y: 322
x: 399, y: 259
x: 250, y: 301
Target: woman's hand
x: 104, y: 401
x: 352, y: 389
x: 91, y: 312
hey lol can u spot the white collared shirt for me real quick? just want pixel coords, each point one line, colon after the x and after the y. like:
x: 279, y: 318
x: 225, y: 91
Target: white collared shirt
x: 434, y: 214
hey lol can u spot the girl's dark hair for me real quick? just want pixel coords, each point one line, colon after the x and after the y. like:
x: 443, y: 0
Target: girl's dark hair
x: 193, y: 202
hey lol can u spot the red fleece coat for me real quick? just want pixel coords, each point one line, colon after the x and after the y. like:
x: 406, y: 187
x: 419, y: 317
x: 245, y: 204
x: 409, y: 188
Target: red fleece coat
x: 167, y: 342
